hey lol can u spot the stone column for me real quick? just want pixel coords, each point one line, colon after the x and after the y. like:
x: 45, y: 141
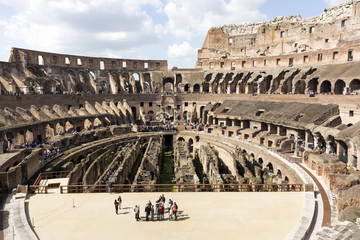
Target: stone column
x: 316, y: 141
x: 306, y: 140
x: 328, y: 146
x: 228, y: 89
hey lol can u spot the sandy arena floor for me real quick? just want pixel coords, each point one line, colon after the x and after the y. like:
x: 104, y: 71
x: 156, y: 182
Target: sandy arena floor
x: 202, y: 216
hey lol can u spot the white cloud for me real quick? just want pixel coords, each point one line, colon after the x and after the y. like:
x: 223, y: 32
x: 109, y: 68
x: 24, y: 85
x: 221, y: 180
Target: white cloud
x: 188, y: 17
x: 181, y: 53
x: 336, y: 2
x: 78, y: 26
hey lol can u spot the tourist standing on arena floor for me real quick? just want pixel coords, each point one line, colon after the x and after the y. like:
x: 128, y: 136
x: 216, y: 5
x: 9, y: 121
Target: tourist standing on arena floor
x: 162, y: 211
x: 152, y: 213
x: 119, y: 201
x: 170, y: 204
x: 137, y: 212
x: 158, y: 211
x: 175, y: 210
x: 116, y: 204
x: 170, y: 213
x: 148, y: 210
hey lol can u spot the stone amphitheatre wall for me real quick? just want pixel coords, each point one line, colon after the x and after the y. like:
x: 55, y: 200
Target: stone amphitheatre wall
x: 331, y: 37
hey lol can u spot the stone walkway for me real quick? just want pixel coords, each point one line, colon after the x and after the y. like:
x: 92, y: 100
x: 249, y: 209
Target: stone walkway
x: 202, y: 216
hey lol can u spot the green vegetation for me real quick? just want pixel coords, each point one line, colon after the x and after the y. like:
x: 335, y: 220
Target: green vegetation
x: 167, y: 175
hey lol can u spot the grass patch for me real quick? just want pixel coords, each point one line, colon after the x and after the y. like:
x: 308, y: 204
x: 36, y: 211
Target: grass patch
x: 167, y: 175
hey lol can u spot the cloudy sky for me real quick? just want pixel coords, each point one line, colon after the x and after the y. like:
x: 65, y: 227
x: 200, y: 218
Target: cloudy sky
x: 136, y: 29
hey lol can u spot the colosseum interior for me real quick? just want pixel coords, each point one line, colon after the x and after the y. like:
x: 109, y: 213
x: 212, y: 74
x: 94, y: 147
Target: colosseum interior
x: 270, y: 106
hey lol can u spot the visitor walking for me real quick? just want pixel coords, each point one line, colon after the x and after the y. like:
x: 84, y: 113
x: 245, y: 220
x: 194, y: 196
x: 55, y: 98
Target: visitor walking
x: 119, y: 201
x: 162, y: 211
x: 137, y: 212
x: 170, y: 204
x: 148, y: 210
x: 158, y: 211
x: 175, y: 210
x: 170, y: 213
x: 152, y: 213
x: 116, y: 204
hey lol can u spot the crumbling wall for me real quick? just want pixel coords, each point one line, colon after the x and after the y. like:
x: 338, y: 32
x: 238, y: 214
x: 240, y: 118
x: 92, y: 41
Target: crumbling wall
x: 183, y: 166
x: 149, y: 170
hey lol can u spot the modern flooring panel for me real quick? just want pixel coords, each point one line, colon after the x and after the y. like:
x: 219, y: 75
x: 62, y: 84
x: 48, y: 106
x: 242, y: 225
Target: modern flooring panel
x: 203, y: 216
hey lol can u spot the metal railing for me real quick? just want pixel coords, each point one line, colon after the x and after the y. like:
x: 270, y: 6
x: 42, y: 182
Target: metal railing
x: 51, y: 175
x: 119, y: 188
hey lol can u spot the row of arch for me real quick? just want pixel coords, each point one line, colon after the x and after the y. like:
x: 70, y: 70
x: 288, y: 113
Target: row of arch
x: 274, y: 169
x: 40, y: 132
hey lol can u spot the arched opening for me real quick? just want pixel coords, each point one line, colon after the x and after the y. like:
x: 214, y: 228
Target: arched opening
x: 20, y: 138
x: 136, y: 78
x: 312, y: 85
x: 49, y: 131
x: 49, y: 87
x: 186, y: 88
x: 206, y: 87
x: 87, y: 124
x: 278, y: 174
x: 286, y: 179
x: 190, y: 144
x: 157, y: 87
x: 133, y: 110
x: 300, y: 87
x: 354, y: 85
x: 343, y: 151
x: 197, y: 138
x: 69, y: 127
x: 181, y: 139
x: 150, y: 115
x: 79, y: 87
x: 325, y: 87
x: 179, y: 83
x: 267, y: 84
x: 201, y: 112
x: 270, y: 167
x: 59, y: 128
x: 102, y: 87
x: 185, y: 113
x: 97, y: 123
x: 168, y: 84
x: 196, y: 88
x: 126, y: 84
x: 261, y: 161
x: 147, y: 83
x: 29, y: 136
x: 211, y: 120
x: 339, y: 87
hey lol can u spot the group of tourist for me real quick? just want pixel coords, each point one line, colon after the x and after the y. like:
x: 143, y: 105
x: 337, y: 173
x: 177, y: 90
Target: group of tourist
x: 163, y: 127
x: 158, y: 210
x: 51, y: 153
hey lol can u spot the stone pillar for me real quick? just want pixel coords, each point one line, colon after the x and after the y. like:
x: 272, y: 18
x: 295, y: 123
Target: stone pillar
x: 237, y: 88
x: 316, y: 141
x: 228, y: 89
x: 306, y: 140
x: 328, y: 146
x: 201, y: 88
x: 247, y: 89
x: 338, y: 146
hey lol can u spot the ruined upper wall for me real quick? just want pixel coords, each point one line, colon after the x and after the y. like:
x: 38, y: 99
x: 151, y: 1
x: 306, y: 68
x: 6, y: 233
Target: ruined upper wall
x: 328, y: 16
x: 26, y: 57
x: 332, y: 37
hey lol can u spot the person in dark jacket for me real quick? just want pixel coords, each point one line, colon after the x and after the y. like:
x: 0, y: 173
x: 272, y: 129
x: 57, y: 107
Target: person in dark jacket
x: 116, y: 204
